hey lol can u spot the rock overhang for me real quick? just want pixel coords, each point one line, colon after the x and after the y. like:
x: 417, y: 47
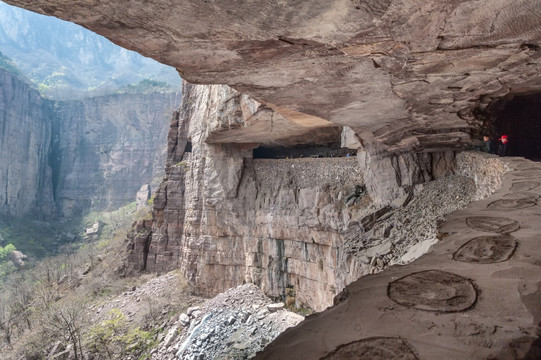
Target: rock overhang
x: 404, y: 74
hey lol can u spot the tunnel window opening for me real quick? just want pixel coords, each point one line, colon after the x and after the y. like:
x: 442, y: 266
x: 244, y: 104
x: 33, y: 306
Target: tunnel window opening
x: 519, y: 118
x: 188, y: 148
x: 302, y: 151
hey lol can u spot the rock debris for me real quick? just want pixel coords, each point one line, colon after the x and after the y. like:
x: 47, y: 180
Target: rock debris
x: 234, y: 325
x: 404, y: 233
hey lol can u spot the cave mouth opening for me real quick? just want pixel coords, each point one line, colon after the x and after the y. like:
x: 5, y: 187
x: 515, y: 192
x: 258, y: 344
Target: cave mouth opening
x: 519, y: 117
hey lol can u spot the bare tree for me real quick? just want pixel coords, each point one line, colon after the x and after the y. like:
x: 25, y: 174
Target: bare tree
x: 65, y: 319
x: 15, y: 310
x: 7, y: 322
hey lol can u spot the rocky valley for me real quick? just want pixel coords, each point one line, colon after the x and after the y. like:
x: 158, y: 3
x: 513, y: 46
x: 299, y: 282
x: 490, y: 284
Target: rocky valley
x: 333, y: 165
x: 63, y: 158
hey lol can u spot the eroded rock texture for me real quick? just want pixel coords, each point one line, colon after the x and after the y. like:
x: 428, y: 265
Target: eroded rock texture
x: 25, y: 137
x: 106, y: 147
x: 300, y: 228
x: 474, y: 294
x: 68, y: 157
x: 405, y: 74
x: 225, y: 218
x: 403, y: 78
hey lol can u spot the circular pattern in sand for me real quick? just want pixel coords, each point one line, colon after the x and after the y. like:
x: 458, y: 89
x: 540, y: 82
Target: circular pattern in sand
x: 524, y: 185
x: 520, y: 195
x: 486, y: 249
x: 433, y: 290
x: 493, y: 224
x: 376, y: 348
x: 528, y: 173
x: 512, y: 204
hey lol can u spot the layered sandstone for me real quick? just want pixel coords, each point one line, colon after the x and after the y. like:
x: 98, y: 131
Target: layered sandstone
x: 225, y: 218
x: 407, y: 77
x: 106, y: 147
x: 474, y: 295
x: 301, y: 228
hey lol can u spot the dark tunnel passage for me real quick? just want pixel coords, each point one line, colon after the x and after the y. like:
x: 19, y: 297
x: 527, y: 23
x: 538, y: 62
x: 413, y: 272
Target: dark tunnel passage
x: 518, y: 117
x: 300, y: 151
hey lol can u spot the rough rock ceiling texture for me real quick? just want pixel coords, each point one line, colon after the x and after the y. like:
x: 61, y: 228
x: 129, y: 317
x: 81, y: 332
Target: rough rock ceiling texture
x: 407, y: 73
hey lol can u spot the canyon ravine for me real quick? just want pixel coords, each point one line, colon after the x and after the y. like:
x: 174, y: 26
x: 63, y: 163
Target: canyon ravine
x: 403, y: 85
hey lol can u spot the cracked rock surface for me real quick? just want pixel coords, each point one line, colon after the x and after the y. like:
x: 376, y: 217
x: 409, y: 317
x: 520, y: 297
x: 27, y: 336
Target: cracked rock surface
x: 406, y: 74
x: 233, y: 325
x: 403, y: 234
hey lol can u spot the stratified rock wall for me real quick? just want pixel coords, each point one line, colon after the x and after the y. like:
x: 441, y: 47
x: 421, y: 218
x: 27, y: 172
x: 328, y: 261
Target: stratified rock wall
x: 406, y: 76
x: 63, y: 158
x: 25, y: 137
x: 107, y: 147
x: 225, y: 218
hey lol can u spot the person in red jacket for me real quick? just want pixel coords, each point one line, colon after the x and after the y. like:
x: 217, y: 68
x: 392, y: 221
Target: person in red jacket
x: 504, y: 146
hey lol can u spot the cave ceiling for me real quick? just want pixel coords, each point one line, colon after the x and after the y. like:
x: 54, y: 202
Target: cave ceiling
x: 404, y: 74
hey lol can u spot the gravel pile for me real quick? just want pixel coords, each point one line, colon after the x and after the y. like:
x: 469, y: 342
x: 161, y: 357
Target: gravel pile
x: 234, y: 325
x: 151, y: 301
x: 406, y: 231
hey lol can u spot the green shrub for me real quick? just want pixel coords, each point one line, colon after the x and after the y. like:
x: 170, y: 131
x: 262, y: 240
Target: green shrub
x: 5, y: 251
x: 104, y: 335
x: 114, y: 336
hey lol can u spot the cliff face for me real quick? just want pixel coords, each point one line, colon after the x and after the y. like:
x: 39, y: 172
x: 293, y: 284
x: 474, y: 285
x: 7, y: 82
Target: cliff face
x: 25, y: 139
x: 404, y: 78
x: 224, y: 217
x: 107, y: 147
x: 63, y: 158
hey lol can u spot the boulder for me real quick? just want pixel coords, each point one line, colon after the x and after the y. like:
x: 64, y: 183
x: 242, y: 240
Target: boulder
x: 192, y: 310
x: 17, y: 258
x: 143, y: 195
x: 275, y: 307
x: 184, y: 320
x: 94, y: 230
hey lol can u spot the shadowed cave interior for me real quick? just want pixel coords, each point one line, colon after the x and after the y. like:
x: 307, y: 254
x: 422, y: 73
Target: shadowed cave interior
x: 519, y: 117
x: 300, y: 151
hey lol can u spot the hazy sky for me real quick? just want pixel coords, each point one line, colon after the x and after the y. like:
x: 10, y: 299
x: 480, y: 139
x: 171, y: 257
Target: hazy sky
x: 56, y: 53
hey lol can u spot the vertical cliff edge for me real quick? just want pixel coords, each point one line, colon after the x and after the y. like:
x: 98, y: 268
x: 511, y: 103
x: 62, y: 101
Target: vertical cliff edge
x: 301, y: 217
x: 63, y: 158
x: 26, y: 125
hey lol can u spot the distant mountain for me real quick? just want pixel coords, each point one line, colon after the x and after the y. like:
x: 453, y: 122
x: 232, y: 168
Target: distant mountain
x: 62, y: 58
x: 8, y: 64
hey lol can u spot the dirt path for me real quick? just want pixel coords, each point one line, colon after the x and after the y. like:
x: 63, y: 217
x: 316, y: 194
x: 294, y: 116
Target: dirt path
x: 475, y: 295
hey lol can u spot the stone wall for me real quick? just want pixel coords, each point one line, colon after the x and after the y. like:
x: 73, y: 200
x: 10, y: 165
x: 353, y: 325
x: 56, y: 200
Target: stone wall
x: 390, y: 176
x: 225, y: 218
